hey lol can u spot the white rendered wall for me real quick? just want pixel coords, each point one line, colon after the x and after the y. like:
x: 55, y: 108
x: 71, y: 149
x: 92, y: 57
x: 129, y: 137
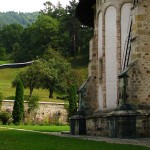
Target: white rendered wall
x: 125, y: 18
x: 100, y: 54
x: 90, y: 56
x: 111, y: 57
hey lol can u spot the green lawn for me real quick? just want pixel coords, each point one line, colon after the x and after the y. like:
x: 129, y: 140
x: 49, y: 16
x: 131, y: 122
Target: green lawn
x: 8, y: 75
x: 6, y: 78
x: 39, y: 128
x: 20, y: 140
x: 4, y: 62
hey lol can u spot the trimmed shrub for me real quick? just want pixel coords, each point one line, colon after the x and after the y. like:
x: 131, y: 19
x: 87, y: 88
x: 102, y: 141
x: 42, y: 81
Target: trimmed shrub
x: 4, y: 117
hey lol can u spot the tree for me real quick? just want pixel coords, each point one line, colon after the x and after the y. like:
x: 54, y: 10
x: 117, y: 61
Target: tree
x: 18, y: 109
x: 15, y: 55
x: 72, y: 34
x: 55, y: 72
x: 50, y: 72
x: 72, y: 100
x: 1, y: 99
x: 73, y: 26
x: 2, y: 53
x: 49, y: 8
x: 9, y: 35
x: 55, y: 76
x: 30, y: 77
x: 58, y: 12
x: 37, y: 37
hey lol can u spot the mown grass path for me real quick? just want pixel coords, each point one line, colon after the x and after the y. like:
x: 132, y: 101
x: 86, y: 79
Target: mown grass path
x: 14, y: 139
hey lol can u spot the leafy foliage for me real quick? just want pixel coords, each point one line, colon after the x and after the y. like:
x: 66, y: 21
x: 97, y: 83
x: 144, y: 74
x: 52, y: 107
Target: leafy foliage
x: 73, y: 36
x: 9, y: 35
x: 18, y: 109
x: 56, y: 27
x: 3, y: 53
x: 50, y: 72
x: 55, y: 75
x: 33, y: 104
x: 30, y: 77
x: 37, y: 38
x: 4, y: 117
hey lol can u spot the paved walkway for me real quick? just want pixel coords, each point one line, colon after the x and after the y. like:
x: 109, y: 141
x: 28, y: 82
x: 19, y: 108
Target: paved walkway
x: 139, y: 141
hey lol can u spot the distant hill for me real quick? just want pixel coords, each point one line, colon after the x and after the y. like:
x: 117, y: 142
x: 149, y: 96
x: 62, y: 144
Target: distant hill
x: 11, y: 17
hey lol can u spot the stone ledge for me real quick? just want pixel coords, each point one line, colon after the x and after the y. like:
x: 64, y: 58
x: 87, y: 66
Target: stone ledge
x: 52, y: 103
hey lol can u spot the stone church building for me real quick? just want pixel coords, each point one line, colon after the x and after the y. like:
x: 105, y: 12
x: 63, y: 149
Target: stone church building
x: 115, y: 99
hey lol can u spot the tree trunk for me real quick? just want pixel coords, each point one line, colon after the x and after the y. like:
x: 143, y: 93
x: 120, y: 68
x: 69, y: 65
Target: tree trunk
x: 51, y: 93
x: 31, y: 90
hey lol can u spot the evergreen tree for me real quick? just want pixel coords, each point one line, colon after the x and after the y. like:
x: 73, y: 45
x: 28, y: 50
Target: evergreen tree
x: 72, y: 100
x: 18, y: 109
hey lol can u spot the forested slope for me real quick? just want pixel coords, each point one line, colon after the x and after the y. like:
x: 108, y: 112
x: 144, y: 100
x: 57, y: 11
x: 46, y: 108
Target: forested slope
x: 12, y: 17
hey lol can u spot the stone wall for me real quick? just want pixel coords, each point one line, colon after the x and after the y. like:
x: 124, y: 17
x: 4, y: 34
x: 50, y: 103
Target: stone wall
x: 139, y: 76
x: 47, y: 112
x: 89, y: 96
x: 119, y: 124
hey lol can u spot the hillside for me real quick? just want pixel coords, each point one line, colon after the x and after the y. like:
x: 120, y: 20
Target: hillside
x: 54, y: 29
x: 12, y: 17
x: 8, y: 75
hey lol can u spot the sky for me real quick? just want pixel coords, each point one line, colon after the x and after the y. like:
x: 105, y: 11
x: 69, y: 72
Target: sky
x: 26, y: 5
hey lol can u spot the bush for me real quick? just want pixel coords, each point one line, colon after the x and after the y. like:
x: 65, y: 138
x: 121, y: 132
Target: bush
x: 4, y: 117
x: 33, y: 104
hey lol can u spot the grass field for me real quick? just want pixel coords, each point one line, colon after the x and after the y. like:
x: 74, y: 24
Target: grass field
x: 39, y: 128
x: 20, y: 140
x: 4, y: 62
x: 6, y: 78
x: 8, y: 75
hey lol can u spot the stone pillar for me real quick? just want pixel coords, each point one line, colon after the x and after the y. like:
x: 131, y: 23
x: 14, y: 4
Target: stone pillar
x: 139, y: 80
x: 92, y: 90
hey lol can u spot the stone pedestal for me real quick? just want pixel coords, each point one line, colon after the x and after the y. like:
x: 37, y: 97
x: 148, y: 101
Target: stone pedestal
x: 77, y: 125
x: 120, y: 123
